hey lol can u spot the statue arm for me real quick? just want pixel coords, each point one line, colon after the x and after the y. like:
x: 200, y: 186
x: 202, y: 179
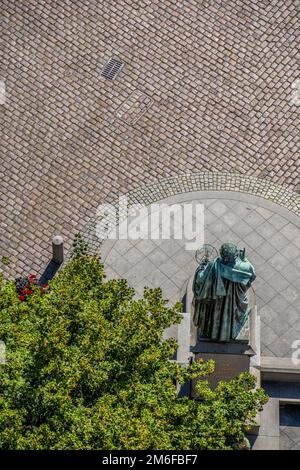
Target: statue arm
x: 253, y: 276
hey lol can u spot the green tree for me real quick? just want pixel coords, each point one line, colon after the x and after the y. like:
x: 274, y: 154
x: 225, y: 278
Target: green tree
x: 87, y: 368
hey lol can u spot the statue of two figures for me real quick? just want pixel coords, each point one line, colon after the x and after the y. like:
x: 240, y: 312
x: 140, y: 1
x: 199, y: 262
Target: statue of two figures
x: 220, y: 288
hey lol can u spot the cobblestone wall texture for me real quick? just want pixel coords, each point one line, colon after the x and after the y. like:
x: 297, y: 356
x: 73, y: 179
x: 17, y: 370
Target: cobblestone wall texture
x: 221, y: 77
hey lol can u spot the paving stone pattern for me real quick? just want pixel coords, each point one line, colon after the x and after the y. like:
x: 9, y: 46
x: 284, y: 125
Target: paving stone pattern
x: 272, y: 244
x: 220, y: 74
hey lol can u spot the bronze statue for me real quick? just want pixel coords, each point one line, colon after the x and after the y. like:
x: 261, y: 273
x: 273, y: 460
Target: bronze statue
x: 220, y: 293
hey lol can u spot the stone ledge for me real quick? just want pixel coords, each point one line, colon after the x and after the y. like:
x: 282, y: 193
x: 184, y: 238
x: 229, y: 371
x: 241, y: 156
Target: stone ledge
x: 279, y: 364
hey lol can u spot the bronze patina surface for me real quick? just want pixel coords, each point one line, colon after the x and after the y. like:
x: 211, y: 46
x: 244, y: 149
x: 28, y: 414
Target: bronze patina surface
x: 220, y: 294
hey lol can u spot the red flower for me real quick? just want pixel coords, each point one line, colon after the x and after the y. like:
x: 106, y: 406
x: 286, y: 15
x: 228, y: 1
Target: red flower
x: 44, y: 286
x: 27, y: 292
x: 22, y: 297
x: 32, y: 277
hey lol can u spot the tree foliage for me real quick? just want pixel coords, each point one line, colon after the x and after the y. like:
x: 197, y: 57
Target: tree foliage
x: 87, y: 368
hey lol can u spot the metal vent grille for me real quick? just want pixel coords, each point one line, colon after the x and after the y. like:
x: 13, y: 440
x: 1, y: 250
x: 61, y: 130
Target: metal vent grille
x: 112, y: 68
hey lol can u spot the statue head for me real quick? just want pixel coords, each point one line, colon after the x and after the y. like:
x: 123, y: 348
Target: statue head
x: 229, y: 253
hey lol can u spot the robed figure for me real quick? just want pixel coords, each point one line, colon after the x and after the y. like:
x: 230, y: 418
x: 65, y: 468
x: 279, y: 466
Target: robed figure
x: 220, y: 294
